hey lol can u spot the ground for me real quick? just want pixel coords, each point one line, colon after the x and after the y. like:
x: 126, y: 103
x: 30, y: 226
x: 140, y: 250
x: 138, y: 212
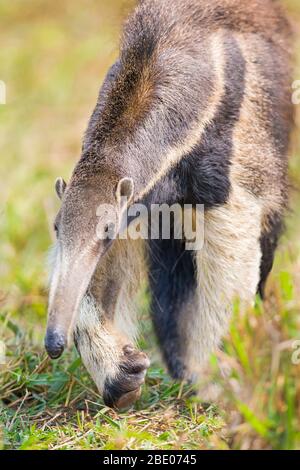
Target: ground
x: 53, y: 58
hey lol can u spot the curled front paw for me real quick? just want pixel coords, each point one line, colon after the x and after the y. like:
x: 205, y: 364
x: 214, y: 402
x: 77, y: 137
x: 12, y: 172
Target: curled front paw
x: 122, y: 390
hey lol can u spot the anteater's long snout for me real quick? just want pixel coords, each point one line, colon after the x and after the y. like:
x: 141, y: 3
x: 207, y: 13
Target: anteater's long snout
x: 67, y: 288
x: 55, y: 342
x: 59, y: 327
x: 63, y: 310
x: 65, y: 297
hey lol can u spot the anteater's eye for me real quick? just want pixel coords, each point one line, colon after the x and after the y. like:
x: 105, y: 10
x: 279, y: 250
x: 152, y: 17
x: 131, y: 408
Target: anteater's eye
x: 56, y: 228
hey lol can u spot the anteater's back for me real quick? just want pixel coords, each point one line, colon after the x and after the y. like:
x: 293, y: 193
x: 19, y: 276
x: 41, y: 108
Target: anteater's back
x: 156, y: 20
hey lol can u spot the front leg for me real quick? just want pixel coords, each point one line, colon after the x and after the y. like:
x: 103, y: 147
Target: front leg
x: 124, y: 388
x: 228, y: 269
x: 106, y: 327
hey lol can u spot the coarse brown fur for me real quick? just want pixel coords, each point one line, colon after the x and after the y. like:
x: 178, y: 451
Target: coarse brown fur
x: 197, y: 110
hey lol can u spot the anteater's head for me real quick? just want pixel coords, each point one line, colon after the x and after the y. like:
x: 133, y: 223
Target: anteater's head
x: 89, y: 219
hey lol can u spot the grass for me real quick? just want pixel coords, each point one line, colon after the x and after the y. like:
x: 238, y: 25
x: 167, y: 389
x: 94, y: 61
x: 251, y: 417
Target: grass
x: 54, y: 59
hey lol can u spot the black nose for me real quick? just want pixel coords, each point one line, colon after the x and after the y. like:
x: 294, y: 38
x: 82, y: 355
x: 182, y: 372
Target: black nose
x: 55, y: 343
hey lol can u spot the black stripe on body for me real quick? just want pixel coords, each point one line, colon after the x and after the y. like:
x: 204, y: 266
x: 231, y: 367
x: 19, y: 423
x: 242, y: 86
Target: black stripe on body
x: 202, y: 176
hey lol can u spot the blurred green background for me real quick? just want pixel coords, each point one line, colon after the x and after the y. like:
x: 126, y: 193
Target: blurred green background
x: 53, y: 58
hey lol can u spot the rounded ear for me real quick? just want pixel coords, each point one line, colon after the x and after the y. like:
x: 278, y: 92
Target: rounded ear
x: 125, y: 191
x: 60, y: 186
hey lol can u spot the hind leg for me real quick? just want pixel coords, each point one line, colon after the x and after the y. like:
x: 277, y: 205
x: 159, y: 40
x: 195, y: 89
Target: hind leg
x: 268, y: 243
x: 228, y: 268
x: 105, y: 330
